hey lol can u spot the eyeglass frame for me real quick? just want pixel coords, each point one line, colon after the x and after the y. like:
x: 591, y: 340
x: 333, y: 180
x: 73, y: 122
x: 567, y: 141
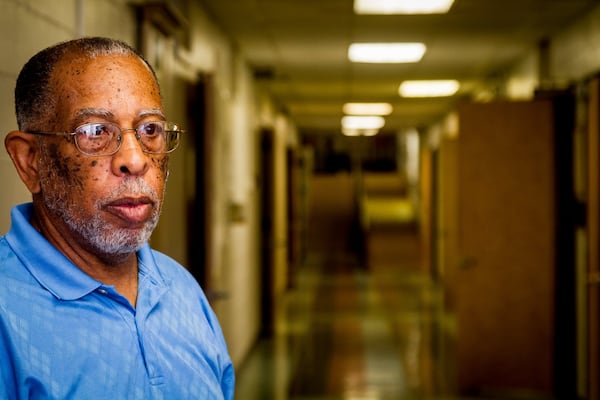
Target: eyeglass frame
x: 118, y: 137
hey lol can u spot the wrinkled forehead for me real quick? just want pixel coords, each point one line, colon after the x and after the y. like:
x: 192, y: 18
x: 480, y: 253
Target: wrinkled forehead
x: 77, y: 69
x: 121, y: 84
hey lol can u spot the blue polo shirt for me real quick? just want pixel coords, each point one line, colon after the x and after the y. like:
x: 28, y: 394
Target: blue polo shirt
x: 64, y: 335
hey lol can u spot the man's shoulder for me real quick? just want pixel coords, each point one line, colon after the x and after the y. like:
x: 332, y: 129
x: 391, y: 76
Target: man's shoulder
x: 8, y: 258
x: 17, y: 285
x: 171, y: 269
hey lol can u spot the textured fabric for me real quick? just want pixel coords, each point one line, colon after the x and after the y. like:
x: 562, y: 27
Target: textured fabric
x: 64, y: 335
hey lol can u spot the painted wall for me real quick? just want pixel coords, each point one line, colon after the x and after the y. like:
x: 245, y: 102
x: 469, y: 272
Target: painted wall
x: 26, y: 29
x: 575, y: 51
x: 29, y: 26
x: 573, y: 55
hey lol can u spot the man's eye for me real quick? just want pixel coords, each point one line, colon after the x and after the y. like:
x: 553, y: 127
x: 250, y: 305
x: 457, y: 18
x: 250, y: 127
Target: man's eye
x: 94, y: 130
x: 151, y: 129
x: 100, y: 130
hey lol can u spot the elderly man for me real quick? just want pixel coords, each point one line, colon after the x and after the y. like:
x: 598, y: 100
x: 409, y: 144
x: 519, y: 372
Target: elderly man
x: 87, y: 309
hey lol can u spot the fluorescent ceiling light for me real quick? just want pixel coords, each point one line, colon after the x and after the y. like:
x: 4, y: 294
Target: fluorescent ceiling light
x: 386, y: 52
x: 435, y: 88
x: 362, y: 122
x: 402, y: 6
x: 359, y: 132
x: 368, y: 108
x: 350, y: 132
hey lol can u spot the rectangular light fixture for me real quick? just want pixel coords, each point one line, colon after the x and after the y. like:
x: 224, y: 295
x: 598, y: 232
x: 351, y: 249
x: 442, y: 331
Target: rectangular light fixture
x: 402, y: 6
x: 386, y: 52
x: 362, y: 122
x: 359, y: 132
x: 367, y: 108
x: 429, y: 88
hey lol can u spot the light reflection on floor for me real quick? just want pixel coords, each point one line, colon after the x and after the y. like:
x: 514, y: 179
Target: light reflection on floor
x: 364, y: 320
x: 352, y: 334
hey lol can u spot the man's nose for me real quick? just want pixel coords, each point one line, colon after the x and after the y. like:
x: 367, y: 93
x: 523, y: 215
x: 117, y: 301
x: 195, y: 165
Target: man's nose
x: 130, y: 158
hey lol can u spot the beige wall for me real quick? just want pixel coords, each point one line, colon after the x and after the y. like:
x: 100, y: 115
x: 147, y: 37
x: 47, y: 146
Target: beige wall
x: 30, y: 25
x: 575, y: 51
x: 25, y: 30
x: 573, y: 55
x: 280, y: 221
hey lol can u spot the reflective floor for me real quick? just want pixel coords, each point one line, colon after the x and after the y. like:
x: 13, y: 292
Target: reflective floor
x: 353, y: 334
x: 357, y: 325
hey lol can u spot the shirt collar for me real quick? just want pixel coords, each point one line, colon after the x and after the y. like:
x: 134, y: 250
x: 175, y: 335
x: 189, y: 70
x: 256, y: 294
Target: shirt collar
x: 50, y: 267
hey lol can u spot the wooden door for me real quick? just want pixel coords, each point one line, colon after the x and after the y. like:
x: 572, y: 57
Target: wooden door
x: 593, y: 233
x: 505, y: 287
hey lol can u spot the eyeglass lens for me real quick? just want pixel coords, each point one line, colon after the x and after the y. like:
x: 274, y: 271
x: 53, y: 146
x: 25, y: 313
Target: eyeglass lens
x: 105, y: 138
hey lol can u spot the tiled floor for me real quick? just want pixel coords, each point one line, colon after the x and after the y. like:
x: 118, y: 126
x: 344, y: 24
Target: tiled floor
x: 354, y: 334
x: 357, y: 325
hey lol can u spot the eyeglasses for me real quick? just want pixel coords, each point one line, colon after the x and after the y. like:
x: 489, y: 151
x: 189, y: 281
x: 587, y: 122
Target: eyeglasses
x: 104, y: 138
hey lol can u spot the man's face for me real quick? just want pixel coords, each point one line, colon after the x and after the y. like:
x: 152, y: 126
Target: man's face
x: 107, y: 205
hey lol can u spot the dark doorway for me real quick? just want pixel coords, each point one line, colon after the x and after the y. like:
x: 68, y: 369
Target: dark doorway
x: 200, y: 207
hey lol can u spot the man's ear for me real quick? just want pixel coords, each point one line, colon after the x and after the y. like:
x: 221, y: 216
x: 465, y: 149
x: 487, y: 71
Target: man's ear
x: 23, y: 149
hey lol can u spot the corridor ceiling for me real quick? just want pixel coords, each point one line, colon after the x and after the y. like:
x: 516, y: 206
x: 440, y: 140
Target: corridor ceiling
x: 298, y: 49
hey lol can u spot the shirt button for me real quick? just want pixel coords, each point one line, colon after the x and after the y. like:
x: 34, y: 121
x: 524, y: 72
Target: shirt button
x: 102, y: 291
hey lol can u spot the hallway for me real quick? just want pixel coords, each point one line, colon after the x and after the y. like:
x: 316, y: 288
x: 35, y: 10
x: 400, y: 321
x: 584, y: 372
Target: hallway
x: 348, y: 330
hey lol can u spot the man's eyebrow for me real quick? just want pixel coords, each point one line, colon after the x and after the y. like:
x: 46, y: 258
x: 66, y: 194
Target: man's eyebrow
x: 82, y: 115
x: 85, y: 113
x: 152, y: 112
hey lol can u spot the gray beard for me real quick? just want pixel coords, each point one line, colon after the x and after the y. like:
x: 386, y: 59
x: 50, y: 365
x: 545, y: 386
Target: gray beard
x: 110, y: 243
